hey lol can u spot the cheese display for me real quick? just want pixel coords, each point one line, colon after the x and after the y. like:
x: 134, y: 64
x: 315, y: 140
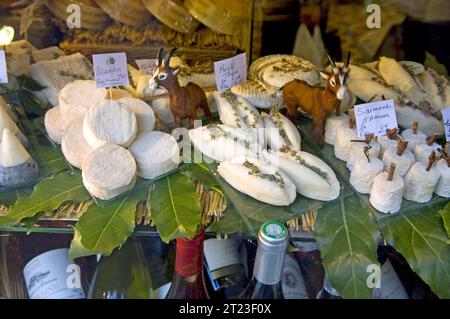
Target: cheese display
x: 344, y: 137
x: 312, y: 177
x: 443, y: 185
x: 144, y: 114
x: 54, y: 124
x: 332, y: 124
x: 130, y: 12
x: 6, y: 122
x: 280, y: 131
x: 156, y: 153
x: 358, y: 147
x: 109, y: 171
x: 386, y: 195
x: 55, y: 74
x: 259, y: 180
x: 222, y: 143
x: 400, y: 156
x: 110, y: 122
x: 413, y: 136
x: 365, y: 169
x: 17, y: 167
x: 422, y: 151
x: 421, y: 181
x: 73, y: 145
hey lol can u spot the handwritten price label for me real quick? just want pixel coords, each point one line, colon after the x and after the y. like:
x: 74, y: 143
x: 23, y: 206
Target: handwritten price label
x: 110, y: 70
x: 230, y: 72
x: 376, y: 118
x: 446, y: 119
x: 3, y: 69
x: 147, y: 66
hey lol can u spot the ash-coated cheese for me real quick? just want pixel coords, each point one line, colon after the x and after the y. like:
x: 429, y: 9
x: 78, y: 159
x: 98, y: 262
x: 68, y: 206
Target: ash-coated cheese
x: 73, y: 145
x: 156, y: 153
x: 54, y: 124
x: 110, y: 122
x: 144, y: 114
x: 109, y: 171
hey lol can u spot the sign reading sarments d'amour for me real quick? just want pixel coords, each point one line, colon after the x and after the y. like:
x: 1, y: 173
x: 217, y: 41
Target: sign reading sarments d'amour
x: 375, y: 117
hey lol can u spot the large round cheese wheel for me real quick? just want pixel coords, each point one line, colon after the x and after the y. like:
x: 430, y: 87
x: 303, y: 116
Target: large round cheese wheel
x: 156, y: 153
x: 73, y: 145
x: 144, y: 114
x: 130, y: 12
x: 109, y: 171
x: 110, y: 122
x: 77, y: 97
x: 54, y: 124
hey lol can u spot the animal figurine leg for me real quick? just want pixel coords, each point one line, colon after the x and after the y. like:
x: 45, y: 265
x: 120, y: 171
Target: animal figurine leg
x: 292, y: 112
x: 319, y: 132
x: 205, y: 107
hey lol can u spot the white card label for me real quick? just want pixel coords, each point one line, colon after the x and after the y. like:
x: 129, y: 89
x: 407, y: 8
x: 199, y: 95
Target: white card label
x: 3, y: 69
x: 147, y: 66
x: 230, y: 72
x: 446, y: 119
x: 221, y: 253
x: 376, y: 118
x: 110, y: 70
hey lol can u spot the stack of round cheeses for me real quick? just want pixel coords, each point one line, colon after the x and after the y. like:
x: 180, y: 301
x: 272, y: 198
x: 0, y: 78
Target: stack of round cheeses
x: 130, y: 12
x: 111, y: 141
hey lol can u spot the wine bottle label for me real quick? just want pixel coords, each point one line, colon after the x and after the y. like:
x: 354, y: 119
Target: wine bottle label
x: 306, y: 246
x: 221, y: 253
x: 292, y: 283
x: 390, y: 286
x: 189, y: 256
x: 52, y: 275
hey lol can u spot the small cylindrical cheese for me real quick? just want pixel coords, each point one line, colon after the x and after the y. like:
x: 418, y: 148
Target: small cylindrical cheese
x: 422, y: 151
x: 420, y: 183
x: 443, y: 185
x: 144, y: 114
x: 73, y: 145
x: 357, y: 152
x: 343, y: 145
x: 331, y: 126
x: 385, y: 142
x: 364, y: 173
x: 413, y: 139
x: 387, y: 196
x: 54, y: 124
x: 402, y: 162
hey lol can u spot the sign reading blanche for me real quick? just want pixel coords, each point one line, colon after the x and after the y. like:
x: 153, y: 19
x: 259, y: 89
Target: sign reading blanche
x: 375, y: 117
x: 230, y: 72
x: 3, y: 69
x: 110, y: 70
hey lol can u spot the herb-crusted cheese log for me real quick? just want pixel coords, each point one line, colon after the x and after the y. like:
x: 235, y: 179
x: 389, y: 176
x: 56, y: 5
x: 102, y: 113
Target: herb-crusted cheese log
x: 54, y: 75
x: 280, y: 131
x: 156, y: 153
x: 54, y: 124
x: 6, y: 122
x: 109, y: 171
x: 77, y: 97
x: 73, y: 145
x: 259, y: 180
x: 144, y: 113
x: 110, y: 122
x: 16, y: 165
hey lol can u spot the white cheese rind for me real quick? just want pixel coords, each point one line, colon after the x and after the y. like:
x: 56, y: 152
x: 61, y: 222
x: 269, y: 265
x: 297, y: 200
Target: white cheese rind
x: 109, y: 171
x: 413, y: 139
x: 402, y: 163
x: 420, y: 183
x: 387, y: 196
x: 331, y: 126
x: 357, y: 152
x: 443, y: 186
x: 280, y: 131
x: 54, y: 124
x: 73, y: 145
x: 156, y: 153
x: 110, y: 122
x: 144, y: 114
x: 364, y: 173
x: 343, y: 145
x: 422, y: 151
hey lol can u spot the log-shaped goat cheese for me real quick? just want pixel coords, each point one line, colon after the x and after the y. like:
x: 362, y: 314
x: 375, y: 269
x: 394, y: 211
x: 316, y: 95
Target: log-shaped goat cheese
x: 110, y: 122
x: 16, y: 165
x: 420, y: 183
x: 156, y: 153
x: 73, y: 145
x: 54, y: 124
x: 144, y: 114
x: 386, y: 195
x: 109, y: 171
x: 258, y: 179
x: 281, y: 132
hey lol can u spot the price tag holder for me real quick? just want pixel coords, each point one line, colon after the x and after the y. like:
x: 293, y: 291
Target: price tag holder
x: 110, y: 70
x: 376, y: 118
x: 230, y: 72
x: 3, y: 68
x: 446, y: 119
x: 147, y: 66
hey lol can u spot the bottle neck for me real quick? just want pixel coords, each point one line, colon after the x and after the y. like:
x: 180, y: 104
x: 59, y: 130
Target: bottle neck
x: 268, y: 265
x: 189, y: 256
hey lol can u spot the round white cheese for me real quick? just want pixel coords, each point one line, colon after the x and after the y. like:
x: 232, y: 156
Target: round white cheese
x: 413, y: 139
x: 343, y: 145
x: 54, y: 124
x: 73, y: 145
x: 364, y: 173
x: 387, y: 196
x: 110, y: 122
x: 420, y: 183
x: 144, y: 114
x: 77, y: 97
x: 331, y: 126
x: 443, y: 186
x: 402, y: 163
x: 156, y: 153
x: 109, y: 171
x: 357, y: 152
x: 422, y: 151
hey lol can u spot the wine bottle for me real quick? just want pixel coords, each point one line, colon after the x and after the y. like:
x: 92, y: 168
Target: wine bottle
x: 227, y: 274
x: 188, y: 280
x: 46, y: 268
x: 123, y: 275
x: 269, y: 261
x: 328, y: 292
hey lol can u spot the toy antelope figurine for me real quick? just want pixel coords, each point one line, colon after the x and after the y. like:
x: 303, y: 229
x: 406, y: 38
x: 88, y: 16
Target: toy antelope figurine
x: 184, y: 101
x: 319, y: 102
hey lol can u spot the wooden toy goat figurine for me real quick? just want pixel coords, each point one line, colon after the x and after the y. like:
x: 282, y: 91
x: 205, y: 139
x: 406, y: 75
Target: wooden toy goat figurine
x: 184, y: 101
x: 319, y: 102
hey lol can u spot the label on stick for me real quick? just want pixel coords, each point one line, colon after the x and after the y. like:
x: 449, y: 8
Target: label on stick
x: 230, y: 72
x: 110, y: 70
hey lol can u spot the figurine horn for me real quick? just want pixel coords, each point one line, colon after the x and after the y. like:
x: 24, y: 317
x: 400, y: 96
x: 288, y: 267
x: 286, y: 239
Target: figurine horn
x: 333, y: 64
x: 159, y: 56
x: 168, y: 57
x: 347, y: 63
